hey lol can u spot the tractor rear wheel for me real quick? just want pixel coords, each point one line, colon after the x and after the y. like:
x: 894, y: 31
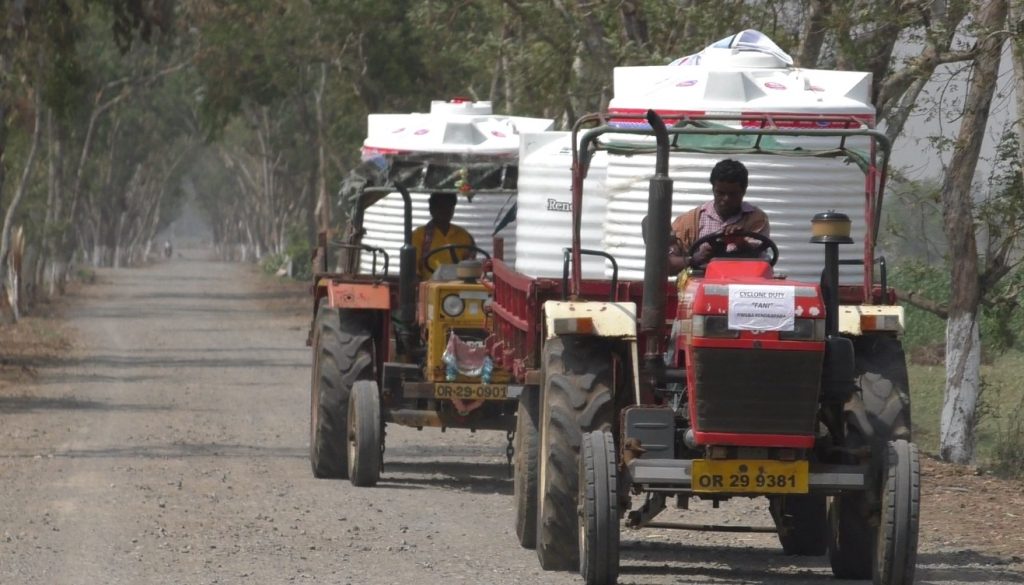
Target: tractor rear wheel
x: 578, y: 398
x: 851, y: 539
x: 342, y: 354
x: 896, y: 543
x: 802, y: 524
x: 525, y: 483
x: 599, y: 510
x: 881, y: 368
x: 364, y: 434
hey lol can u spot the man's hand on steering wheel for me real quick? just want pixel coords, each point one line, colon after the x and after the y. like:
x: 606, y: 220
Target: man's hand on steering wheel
x: 739, y: 238
x: 451, y: 249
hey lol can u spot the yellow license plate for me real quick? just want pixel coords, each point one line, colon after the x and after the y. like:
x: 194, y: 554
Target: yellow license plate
x: 471, y: 391
x: 746, y: 476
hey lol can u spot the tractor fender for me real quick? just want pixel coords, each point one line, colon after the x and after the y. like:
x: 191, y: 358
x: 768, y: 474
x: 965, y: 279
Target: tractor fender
x: 350, y: 295
x: 600, y: 319
x: 610, y: 320
x: 857, y: 320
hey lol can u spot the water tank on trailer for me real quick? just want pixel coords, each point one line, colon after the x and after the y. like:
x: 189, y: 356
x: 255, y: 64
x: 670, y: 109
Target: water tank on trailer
x: 544, y: 226
x: 456, y: 130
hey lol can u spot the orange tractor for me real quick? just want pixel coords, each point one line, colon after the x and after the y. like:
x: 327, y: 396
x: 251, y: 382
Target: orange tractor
x: 732, y: 382
x: 389, y: 348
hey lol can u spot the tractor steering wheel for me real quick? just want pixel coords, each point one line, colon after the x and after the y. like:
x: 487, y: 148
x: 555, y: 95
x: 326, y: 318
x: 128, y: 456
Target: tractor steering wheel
x: 719, y: 243
x: 451, y: 249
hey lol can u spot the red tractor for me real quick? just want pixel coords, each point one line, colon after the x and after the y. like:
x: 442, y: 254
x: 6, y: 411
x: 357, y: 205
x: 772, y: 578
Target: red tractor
x: 731, y: 382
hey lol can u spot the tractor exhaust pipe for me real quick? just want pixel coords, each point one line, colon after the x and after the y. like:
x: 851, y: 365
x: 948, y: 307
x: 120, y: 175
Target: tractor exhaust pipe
x: 831, y: 229
x: 659, y: 211
x: 407, y: 267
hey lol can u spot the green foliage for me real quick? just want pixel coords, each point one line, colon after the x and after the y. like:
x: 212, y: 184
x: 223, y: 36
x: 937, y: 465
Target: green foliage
x: 998, y: 429
x: 1000, y: 323
x: 300, y: 250
x: 1008, y: 451
x: 932, y: 281
x: 271, y: 263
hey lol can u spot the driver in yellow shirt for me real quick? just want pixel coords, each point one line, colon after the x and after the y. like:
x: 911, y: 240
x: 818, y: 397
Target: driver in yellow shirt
x: 440, y: 232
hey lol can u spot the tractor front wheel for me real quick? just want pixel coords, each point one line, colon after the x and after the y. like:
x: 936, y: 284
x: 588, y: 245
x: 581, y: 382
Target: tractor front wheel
x: 578, y: 398
x: 599, y: 510
x: 896, y: 543
x: 525, y: 482
x: 851, y: 537
x: 802, y: 524
x: 364, y: 434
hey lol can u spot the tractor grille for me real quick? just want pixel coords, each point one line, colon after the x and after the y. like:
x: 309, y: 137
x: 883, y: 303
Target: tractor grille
x: 757, y: 391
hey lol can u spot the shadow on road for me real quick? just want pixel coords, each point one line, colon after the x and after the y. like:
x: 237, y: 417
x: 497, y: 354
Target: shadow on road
x: 755, y: 565
x: 184, y: 450
x: 474, y: 477
x: 20, y: 404
x: 737, y: 564
x: 967, y: 567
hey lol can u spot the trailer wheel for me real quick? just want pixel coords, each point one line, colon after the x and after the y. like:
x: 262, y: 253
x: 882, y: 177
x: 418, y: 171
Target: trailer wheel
x: 525, y: 482
x: 802, y: 524
x: 599, y: 510
x: 881, y: 369
x: 364, y: 436
x: 896, y: 544
x: 577, y: 399
x: 342, y: 354
x: 851, y: 539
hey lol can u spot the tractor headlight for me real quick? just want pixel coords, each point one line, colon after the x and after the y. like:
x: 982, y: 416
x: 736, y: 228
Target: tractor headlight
x: 453, y: 306
x: 713, y: 326
x: 805, y: 330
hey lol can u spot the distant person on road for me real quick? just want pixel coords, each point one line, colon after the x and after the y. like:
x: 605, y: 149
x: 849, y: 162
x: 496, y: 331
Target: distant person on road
x: 168, y: 249
x: 726, y: 213
x: 440, y: 232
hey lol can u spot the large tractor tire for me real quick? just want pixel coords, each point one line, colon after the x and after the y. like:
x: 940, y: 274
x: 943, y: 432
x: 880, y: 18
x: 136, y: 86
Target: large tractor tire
x: 896, y: 543
x: 342, y: 354
x: 599, y: 510
x: 578, y: 398
x: 851, y: 540
x: 364, y: 434
x: 525, y: 482
x: 881, y: 368
x: 802, y: 523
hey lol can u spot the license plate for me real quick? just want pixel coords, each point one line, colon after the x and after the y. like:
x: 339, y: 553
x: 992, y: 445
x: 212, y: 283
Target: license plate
x: 471, y: 391
x: 745, y: 476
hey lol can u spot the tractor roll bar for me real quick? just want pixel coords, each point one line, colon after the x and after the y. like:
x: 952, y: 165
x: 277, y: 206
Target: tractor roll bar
x: 584, y: 147
x: 567, y: 254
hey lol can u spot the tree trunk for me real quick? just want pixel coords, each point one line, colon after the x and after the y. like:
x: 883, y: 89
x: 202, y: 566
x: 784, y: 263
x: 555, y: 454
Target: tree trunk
x: 812, y: 37
x: 1017, y: 26
x: 5, y: 232
x: 963, y: 354
x: 323, y: 201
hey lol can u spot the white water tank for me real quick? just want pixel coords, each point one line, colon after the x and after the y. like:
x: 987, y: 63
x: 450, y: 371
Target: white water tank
x: 544, y: 226
x: 453, y: 131
x: 789, y: 189
x: 727, y: 79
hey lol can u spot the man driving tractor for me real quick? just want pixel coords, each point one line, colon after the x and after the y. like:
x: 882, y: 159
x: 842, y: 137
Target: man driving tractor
x: 440, y: 232
x: 726, y: 213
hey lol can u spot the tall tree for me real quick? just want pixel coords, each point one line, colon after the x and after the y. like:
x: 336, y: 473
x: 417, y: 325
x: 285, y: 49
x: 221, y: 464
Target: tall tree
x: 963, y: 344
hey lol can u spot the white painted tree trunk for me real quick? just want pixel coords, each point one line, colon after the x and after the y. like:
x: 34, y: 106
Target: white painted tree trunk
x: 963, y: 383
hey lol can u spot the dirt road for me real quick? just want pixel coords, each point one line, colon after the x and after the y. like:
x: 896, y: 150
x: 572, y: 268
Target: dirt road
x: 170, y: 447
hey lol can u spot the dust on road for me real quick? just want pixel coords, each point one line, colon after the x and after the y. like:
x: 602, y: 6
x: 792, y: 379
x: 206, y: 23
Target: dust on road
x: 170, y: 446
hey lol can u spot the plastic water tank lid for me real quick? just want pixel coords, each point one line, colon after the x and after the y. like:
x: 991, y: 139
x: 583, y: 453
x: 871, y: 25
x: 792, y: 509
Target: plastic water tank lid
x: 460, y: 106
